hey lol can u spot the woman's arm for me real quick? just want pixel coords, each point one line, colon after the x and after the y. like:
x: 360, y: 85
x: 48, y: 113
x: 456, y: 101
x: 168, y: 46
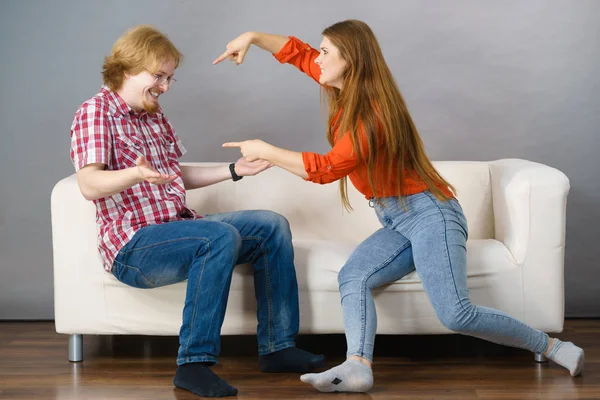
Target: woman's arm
x: 317, y: 168
x: 286, y: 50
x: 238, y: 47
x: 256, y: 149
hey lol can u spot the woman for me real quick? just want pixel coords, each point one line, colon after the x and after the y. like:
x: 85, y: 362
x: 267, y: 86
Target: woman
x: 376, y: 144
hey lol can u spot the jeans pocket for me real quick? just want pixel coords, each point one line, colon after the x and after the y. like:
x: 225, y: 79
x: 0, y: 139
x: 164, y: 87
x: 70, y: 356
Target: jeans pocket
x: 384, y: 220
x: 460, y: 216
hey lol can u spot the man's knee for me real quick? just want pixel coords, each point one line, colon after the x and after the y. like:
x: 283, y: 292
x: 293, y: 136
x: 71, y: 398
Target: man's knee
x: 225, y: 236
x: 277, y: 220
x: 273, y: 221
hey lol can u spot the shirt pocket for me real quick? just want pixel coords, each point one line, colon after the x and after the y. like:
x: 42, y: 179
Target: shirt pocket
x: 129, y: 148
x: 168, y: 147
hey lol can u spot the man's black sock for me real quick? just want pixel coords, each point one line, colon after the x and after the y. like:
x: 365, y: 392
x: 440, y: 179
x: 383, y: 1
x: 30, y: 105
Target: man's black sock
x: 291, y: 359
x: 200, y: 380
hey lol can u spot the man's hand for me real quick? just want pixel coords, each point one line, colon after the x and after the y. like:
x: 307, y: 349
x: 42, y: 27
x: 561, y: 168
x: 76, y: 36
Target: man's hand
x: 236, y: 49
x: 252, y: 150
x: 147, y: 172
x: 249, y: 168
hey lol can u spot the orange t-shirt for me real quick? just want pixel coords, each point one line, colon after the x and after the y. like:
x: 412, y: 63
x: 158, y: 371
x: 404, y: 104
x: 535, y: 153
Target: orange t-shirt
x: 342, y: 160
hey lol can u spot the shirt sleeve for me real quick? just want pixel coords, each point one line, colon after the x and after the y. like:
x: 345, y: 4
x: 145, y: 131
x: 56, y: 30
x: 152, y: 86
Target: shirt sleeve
x: 300, y: 55
x: 90, y: 136
x: 339, y: 162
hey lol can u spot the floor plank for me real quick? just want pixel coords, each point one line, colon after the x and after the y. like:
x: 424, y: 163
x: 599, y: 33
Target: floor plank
x: 33, y: 365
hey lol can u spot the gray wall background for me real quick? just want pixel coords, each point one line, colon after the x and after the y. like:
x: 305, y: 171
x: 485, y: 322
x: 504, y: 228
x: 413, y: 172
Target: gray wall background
x: 483, y: 79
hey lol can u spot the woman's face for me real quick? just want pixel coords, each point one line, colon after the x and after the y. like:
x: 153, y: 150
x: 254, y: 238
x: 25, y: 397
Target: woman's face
x: 332, y: 65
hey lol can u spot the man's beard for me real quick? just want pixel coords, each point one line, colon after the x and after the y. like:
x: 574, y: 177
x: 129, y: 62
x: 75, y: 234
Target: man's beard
x: 150, y: 108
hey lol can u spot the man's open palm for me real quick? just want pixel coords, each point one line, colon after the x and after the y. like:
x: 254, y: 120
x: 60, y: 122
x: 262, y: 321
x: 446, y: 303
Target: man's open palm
x: 149, y: 174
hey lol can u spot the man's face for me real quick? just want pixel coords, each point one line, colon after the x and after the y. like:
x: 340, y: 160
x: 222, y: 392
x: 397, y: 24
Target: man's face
x: 141, y: 91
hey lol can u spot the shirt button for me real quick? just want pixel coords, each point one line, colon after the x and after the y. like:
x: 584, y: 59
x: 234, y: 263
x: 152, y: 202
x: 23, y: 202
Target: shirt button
x: 329, y: 167
x: 169, y: 190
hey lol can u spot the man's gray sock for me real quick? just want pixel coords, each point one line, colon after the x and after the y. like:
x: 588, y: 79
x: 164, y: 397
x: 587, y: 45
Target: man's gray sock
x: 568, y: 355
x: 351, y: 376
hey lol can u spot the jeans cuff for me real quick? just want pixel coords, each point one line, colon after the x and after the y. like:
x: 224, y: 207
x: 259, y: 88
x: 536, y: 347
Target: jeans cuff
x: 365, y: 356
x: 197, y: 359
x: 268, y: 350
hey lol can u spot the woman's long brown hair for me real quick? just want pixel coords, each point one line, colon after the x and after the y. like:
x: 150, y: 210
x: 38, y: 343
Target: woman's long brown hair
x: 371, y: 101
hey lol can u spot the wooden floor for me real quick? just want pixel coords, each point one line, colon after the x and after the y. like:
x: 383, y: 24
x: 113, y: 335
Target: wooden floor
x: 33, y: 365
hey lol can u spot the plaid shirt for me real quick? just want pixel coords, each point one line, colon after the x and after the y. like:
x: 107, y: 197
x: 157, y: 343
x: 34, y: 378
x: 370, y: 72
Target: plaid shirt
x: 106, y: 130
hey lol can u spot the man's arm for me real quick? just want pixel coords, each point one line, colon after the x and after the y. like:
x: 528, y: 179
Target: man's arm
x: 96, y: 183
x: 196, y: 177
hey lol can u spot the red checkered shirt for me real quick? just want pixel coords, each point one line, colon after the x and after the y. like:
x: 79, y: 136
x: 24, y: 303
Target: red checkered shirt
x: 106, y: 130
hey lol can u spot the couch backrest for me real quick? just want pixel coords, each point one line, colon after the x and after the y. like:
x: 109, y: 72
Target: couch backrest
x: 315, y: 211
x: 472, y: 180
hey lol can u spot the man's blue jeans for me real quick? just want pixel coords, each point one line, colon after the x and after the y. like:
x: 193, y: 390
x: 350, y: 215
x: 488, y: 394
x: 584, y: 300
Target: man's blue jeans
x: 204, y: 252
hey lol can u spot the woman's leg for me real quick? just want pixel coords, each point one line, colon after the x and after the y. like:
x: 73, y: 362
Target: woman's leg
x: 439, y: 249
x: 382, y: 258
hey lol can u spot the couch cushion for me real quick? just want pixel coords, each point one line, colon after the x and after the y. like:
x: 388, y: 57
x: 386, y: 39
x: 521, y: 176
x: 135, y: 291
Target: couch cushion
x: 318, y: 263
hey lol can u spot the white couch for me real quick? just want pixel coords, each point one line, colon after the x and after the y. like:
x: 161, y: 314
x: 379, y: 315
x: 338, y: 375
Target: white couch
x: 516, y: 216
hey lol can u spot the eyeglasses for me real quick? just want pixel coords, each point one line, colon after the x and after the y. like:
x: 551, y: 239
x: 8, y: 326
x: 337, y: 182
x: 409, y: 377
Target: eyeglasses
x: 161, y: 80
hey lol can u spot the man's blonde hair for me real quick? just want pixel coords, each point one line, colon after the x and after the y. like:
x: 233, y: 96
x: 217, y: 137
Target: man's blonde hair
x: 141, y: 48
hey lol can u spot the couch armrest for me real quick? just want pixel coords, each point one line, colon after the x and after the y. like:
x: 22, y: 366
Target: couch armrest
x: 529, y: 202
x: 78, y: 273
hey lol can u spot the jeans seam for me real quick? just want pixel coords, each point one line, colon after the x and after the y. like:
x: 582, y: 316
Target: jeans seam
x: 265, y: 255
x: 125, y: 251
x: 448, y: 258
x: 363, y: 285
x: 508, y: 318
x: 191, y: 326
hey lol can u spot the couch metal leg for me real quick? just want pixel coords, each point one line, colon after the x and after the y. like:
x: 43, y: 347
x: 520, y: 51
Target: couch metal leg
x: 540, y: 358
x: 76, y: 348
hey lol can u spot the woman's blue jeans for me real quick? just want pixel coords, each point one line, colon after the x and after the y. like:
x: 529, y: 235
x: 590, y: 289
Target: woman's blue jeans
x: 429, y: 235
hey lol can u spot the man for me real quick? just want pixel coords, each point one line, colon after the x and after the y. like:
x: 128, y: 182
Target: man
x: 126, y: 152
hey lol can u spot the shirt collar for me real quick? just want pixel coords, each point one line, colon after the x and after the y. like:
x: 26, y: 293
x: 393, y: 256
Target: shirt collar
x: 120, y: 108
